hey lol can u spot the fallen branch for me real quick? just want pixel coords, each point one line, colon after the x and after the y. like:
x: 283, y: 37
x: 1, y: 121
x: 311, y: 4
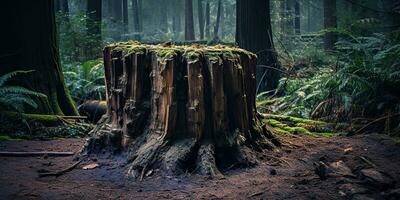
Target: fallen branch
x: 375, y: 121
x: 34, y: 153
x: 61, y: 172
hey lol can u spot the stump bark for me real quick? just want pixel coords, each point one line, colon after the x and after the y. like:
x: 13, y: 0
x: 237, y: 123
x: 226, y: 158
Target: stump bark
x: 180, y: 108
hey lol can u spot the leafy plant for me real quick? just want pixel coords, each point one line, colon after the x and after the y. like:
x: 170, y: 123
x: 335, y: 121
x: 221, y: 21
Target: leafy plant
x: 16, y: 98
x: 86, y: 80
x: 362, y: 81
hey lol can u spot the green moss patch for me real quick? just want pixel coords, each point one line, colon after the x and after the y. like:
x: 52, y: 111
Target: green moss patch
x: 298, y: 126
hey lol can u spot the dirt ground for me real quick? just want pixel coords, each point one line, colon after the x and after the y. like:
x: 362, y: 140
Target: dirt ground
x: 288, y: 173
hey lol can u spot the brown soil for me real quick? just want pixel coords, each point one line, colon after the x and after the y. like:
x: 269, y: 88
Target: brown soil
x: 294, y: 165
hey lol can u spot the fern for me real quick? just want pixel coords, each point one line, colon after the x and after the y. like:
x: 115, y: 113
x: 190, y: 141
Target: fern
x: 15, y: 98
x: 86, y: 80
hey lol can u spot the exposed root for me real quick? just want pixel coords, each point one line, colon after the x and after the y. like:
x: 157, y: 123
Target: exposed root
x: 206, y: 161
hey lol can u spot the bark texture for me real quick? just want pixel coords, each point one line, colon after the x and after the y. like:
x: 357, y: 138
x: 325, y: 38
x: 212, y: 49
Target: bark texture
x: 30, y: 43
x: 180, y: 108
x: 254, y: 33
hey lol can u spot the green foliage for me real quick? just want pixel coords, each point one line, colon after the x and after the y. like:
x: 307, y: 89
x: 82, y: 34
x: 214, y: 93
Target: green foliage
x: 16, y: 98
x: 362, y: 81
x: 75, y: 44
x: 86, y: 80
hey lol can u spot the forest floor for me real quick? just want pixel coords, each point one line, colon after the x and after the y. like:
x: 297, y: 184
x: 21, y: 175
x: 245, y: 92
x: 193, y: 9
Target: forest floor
x: 293, y: 177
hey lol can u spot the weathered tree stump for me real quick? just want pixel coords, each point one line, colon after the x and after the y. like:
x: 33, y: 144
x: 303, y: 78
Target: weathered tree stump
x: 180, y: 108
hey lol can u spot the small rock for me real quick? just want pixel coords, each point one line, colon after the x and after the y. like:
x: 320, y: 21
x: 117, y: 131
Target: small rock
x: 272, y: 172
x: 90, y: 166
x: 322, y: 170
x: 349, y: 190
x: 348, y: 150
x: 339, y: 168
x: 376, y: 179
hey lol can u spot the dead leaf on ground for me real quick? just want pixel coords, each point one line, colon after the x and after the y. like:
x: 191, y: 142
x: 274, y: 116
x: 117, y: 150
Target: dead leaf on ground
x: 90, y: 166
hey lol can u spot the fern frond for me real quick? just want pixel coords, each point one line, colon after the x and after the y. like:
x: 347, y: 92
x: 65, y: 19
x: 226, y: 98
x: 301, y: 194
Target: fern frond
x: 20, y: 90
x: 4, y: 78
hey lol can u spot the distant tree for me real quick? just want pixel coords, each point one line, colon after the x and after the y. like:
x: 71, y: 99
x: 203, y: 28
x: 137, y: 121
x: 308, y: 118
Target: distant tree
x: 254, y: 33
x: 201, y: 18
x: 117, y: 17
x: 208, y: 20
x: 62, y: 6
x: 125, y: 17
x: 218, y: 21
x: 330, y: 21
x: 289, y: 17
x: 31, y: 43
x: 163, y: 8
x: 136, y: 19
x: 297, y: 16
x: 93, y: 25
x: 189, y: 24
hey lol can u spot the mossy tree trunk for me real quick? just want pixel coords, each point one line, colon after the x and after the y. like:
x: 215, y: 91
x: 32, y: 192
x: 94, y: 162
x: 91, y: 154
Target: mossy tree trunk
x: 31, y: 44
x: 180, y: 108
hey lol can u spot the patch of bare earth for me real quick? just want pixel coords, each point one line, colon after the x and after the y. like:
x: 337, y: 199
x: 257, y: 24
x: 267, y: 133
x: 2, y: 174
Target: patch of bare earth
x: 358, y: 167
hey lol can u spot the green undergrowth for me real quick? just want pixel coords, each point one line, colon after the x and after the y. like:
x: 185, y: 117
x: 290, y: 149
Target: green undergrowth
x: 19, y: 126
x: 281, y: 124
x: 5, y: 137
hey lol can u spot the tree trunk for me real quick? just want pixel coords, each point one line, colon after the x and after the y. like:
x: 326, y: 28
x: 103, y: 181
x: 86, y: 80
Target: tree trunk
x: 201, y: 18
x: 254, y: 33
x: 297, y: 17
x: 289, y: 18
x: 189, y: 25
x: 125, y: 18
x: 330, y: 22
x: 93, y: 24
x: 117, y: 17
x: 217, y: 23
x: 136, y: 20
x: 163, y: 8
x: 180, y: 108
x: 208, y: 20
x: 282, y: 7
x: 30, y: 43
x: 62, y: 6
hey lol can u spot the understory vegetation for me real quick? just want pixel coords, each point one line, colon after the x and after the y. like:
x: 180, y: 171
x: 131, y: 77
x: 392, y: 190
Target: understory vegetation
x: 356, y: 83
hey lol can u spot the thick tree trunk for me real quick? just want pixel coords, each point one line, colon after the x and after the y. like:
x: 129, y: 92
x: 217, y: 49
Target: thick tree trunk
x: 180, y: 108
x: 93, y: 24
x: 330, y: 22
x: 201, y: 18
x: 189, y: 25
x: 30, y: 43
x: 253, y: 33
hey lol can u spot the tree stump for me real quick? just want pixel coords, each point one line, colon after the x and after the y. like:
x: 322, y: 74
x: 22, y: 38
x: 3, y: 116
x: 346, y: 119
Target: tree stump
x: 180, y: 108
